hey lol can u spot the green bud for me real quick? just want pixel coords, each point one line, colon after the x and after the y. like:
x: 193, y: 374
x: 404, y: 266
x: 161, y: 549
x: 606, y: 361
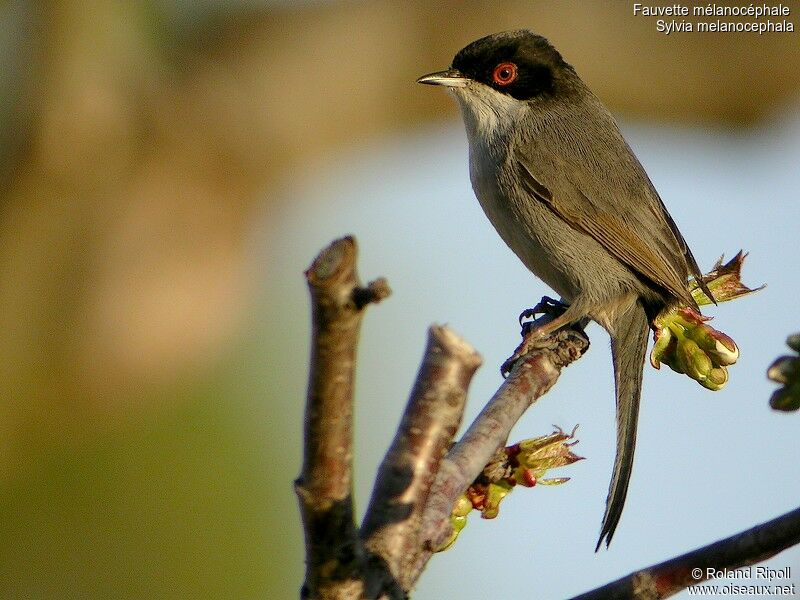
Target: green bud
x: 457, y: 524
x: 676, y: 363
x: 495, y: 494
x: 697, y: 362
x: 786, y: 399
x: 661, y: 347
x: 462, y: 507
x: 553, y: 480
x: 716, y: 379
x: 784, y: 370
x: 722, y: 347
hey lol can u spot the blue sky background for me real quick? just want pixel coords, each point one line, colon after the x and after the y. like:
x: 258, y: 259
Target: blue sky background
x: 707, y: 465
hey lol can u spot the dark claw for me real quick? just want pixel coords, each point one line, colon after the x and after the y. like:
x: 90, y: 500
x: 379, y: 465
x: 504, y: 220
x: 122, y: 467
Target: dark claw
x: 528, y: 313
x: 546, y: 306
x: 527, y: 327
x: 505, y: 368
x: 552, y: 305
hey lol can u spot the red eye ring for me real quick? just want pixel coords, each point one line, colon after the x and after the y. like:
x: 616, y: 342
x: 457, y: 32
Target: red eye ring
x: 505, y: 73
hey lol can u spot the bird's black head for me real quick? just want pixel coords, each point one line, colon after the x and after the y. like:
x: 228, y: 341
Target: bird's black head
x: 518, y: 63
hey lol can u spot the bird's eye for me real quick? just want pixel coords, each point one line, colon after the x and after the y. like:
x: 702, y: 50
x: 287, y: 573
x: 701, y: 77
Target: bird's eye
x: 504, y: 73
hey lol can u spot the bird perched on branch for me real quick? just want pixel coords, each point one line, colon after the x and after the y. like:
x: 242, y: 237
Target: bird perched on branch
x: 566, y: 193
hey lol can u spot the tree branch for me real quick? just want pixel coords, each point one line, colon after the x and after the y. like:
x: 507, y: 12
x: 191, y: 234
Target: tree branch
x: 431, y: 420
x: 741, y: 550
x: 532, y: 376
x: 334, y: 556
x: 416, y: 488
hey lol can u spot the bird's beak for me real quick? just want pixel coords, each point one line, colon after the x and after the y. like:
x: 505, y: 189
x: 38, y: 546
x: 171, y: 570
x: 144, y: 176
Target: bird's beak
x: 448, y: 78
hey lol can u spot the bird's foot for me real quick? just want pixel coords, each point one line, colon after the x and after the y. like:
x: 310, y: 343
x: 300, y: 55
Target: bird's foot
x: 535, y: 330
x: 546, y: 306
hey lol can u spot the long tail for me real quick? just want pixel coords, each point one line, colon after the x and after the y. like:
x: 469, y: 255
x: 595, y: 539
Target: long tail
x: 628, y: 350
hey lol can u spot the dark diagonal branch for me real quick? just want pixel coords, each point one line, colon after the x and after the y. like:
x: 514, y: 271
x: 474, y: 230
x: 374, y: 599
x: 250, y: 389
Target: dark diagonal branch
x: 431, y: 419
x: 334, y: 560
x: 530, y: 378
x: 741, y: 550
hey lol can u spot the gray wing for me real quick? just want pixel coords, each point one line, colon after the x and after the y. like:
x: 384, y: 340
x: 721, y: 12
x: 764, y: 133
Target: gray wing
x: 594, y: 183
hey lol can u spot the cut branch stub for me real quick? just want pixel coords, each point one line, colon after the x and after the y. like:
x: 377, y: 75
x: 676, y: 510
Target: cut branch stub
x: 337, y: 301
x: 431, y: 419
x: 335, y: 559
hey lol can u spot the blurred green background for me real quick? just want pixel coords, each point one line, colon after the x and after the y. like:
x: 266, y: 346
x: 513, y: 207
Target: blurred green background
x: 146, y: 444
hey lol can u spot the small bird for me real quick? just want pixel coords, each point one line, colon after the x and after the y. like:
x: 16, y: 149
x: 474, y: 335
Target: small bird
x: 566, y: 193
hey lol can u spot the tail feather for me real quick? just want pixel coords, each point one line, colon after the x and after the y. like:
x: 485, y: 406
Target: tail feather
x: 628, y: 350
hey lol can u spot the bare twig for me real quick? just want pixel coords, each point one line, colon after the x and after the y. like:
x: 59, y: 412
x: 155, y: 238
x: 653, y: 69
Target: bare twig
x: 531, y: 377
x: 741, y: 550
x: 432, y: 417
x: 334, y: 555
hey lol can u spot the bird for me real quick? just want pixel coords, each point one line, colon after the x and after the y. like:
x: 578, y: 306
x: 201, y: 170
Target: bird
x: 565, y: 192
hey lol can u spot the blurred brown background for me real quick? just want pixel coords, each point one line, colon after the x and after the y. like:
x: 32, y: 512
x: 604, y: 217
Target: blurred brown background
x: 141, y: 144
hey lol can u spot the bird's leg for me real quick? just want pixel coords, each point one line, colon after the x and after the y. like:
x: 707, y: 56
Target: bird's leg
x: 556, y: 314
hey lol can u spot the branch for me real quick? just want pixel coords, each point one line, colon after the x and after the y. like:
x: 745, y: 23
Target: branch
x: 432, y: 417
x: 741, y: 550
x: 334, y: 556
x: 416, y: 488
x: 533, y: 374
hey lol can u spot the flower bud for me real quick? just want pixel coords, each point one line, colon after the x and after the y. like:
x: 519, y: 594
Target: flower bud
x: 786, y: 371
x: 695, y: 362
